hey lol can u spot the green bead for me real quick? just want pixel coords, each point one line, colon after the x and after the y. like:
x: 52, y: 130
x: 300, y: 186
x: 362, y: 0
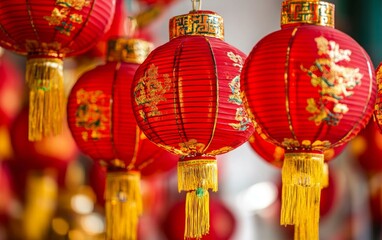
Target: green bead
x: 200, y: 192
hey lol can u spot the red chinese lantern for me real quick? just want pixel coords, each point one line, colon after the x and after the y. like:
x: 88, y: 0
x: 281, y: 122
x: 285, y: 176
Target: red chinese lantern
x: 186, y: 99
x: 100, y: 119
x: 309, y: 87
x: 46, y: 31
x: 223, y: 222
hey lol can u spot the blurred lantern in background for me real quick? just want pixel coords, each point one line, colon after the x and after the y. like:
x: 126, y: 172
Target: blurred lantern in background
x: 10, y: 101
x: 309, y: 87
x: 223, y: 223
x: 6, y: 194
x: 10, y: 89
x: 150, y: 10
x: 117, y: 29
x: 99, y: 116
x: 47, y: 31
x: 367, y: 150
x: 153, y: 161
x: 38, y: 168
x: 186, y: 99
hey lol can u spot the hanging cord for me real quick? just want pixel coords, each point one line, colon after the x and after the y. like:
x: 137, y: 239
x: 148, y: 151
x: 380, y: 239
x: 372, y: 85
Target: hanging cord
x: 196, y: 5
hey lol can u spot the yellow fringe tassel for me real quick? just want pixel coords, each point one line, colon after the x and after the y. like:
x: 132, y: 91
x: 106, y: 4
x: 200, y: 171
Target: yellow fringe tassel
x: 123, y: 205
x: 197, y: 214
x: 40, y: 205
x: 44, y: 77
x: 302, y: 176
x: 197, y: 173
x: 306, y: 231
x: 197, y: 177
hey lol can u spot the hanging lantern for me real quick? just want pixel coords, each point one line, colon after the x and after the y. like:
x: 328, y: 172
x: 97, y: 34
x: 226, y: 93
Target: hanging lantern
x: 99, y: 116
x: 309, y: 87
x: 186, y: 99
x: 46, y: 31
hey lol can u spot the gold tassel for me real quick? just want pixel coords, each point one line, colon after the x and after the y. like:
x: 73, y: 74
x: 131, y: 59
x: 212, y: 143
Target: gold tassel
x: 123, y: 205
x: 196, y: 177
x: 325, y: 176
x: 302, y: 176
x: 197, y: 214
x: 41, y: 198
x: 44, y: 77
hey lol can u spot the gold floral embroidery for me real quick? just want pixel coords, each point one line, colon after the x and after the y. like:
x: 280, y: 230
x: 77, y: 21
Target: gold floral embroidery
x: 150, y: 91
x: 290, y: 143
x: 91, y: 113
x: 220, y: 151
x: 32, y: 45
x: 62, y: 16
x: 242, y: 118
x: 335, y: 82
x: 234, y: 85
x: 189, y: 148
x: 235, y: 97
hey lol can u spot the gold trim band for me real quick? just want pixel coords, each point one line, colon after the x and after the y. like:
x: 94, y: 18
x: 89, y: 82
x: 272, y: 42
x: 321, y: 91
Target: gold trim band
x: 197, y: 23
x: 128, y: 50
x: 312, y: 12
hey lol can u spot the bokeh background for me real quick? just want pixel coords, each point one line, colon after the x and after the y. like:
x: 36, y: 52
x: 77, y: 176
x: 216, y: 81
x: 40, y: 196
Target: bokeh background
x: 52, y: 191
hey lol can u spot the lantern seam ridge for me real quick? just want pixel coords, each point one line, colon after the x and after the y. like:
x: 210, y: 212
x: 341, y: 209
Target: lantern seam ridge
x: 287, y: 82
x: 113, y: 85
x: 82, y: 27
x: 31, y: 20
x: 217, y: 94
x: 176, y: 92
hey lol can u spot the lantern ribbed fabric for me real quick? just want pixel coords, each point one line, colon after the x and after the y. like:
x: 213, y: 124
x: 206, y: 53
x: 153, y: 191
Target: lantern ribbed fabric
x: 100, y: 119
x: 47, y: 31
x: 309, y: 87
x: 186, y: 99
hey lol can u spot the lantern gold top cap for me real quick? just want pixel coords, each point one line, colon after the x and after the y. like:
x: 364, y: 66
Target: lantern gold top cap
x: 197, y: 23
x: 128, y: 50
x: 312, y: 12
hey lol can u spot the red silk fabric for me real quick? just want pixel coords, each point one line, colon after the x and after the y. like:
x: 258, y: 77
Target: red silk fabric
x: 186, y: 97
x: 100, y: 116
x: 300, y: 83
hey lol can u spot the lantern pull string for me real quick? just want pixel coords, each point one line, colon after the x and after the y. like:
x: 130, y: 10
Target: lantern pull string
x: 196, y: 5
